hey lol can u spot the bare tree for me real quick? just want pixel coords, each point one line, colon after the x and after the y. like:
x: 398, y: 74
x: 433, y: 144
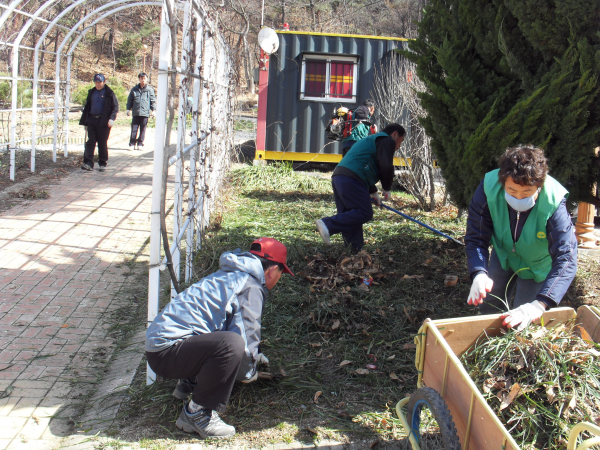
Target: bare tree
x: 395, y: 92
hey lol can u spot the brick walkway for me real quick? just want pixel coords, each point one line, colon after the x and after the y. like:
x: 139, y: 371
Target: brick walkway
x: 62, y: 272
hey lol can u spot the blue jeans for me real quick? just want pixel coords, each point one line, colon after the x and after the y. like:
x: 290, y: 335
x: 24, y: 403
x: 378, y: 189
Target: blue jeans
x: 524, y: 291
x: 353, y: 203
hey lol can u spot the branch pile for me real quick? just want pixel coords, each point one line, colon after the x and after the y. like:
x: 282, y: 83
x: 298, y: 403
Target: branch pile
x: 540, y: 382
x: 326, y: 275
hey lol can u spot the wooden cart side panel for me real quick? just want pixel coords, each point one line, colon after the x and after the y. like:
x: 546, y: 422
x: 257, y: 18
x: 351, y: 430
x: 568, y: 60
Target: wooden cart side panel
x: 462, y: 333
x: 590, y: 321
x: 443, y: 374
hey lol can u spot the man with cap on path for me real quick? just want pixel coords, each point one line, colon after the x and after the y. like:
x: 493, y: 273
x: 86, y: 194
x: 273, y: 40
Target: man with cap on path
x: 141, y: 104
x: 369, y: 160
x: 99, y: 115
x: 209, y: 335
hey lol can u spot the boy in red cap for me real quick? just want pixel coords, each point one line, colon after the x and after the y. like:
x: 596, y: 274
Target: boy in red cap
x: 208, y: 336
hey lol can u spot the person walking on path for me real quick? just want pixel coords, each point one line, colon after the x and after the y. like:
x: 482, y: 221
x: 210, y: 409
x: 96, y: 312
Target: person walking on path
x: 522, y: 212
x: 359, y: 130
x: 209, y: 335
x: 369, y: 160
x: 99, y: 115
x: 141, y: 103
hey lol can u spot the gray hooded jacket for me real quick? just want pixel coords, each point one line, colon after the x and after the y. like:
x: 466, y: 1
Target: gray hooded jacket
x: 230, y: 299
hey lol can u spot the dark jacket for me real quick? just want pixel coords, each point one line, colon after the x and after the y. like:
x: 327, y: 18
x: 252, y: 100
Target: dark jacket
x: 386, y: 147
x: 141, y: 101
x: 231, y: 299
x: 562, y: 245
x: 111, y: 107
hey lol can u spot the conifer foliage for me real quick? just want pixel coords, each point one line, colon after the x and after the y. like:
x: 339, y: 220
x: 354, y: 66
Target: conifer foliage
x: 507, y: 72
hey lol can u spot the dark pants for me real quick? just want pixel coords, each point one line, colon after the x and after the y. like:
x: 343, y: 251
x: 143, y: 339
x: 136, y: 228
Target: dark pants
x: 213, y: 357
x: 96, y: 135
x: 353, y: 203
x: 138, y: 123
x: 524, y: 291
x: 346, y: 146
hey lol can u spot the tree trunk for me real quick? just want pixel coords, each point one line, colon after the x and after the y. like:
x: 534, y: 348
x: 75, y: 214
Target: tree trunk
x: 282, y: 12
x: 151, y: 63
x: 56, y: 44
x: 112, y: 47
x: 171, y: 108
x: 314, y: 17
x: 431, y: 187
x: 248, y: 66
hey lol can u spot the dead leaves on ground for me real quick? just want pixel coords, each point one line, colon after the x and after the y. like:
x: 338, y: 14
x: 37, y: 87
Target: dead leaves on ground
x: 327, y: 275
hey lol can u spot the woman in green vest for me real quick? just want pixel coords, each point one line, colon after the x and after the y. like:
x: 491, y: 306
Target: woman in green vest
x: 521, y: 211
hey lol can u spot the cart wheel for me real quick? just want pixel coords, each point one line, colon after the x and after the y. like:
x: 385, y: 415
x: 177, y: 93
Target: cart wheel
x: 431, y: 421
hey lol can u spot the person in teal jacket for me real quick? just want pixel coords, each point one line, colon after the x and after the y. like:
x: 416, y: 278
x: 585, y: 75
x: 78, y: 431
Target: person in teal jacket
x: 359, y: 130
x: 369, y: 160
x: 521, y: 211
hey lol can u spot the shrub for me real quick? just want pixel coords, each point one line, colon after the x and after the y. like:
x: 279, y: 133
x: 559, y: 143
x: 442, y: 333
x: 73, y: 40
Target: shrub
x: 80, y: 93
x: 24, y: 93
x: 127, y: 50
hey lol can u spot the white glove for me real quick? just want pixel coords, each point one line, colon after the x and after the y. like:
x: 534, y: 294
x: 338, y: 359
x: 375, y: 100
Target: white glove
x: 152, y: 113
x: 111, y: 123
x: 387, y: 195
x: 481, y: 285
x: 262, y: 359
x: 375, y: 196
x: 254, y: 378
x: 524, y: 315
x: 128, y: 112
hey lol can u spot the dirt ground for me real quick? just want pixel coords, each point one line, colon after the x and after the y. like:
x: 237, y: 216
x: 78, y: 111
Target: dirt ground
x: 341, y: 350
x: 28, y: 185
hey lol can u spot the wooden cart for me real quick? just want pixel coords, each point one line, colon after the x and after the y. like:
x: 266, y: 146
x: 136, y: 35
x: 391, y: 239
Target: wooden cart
x: 440, y: 343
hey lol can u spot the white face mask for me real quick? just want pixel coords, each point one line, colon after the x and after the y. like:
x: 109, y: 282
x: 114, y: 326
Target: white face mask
x: 522, y: 204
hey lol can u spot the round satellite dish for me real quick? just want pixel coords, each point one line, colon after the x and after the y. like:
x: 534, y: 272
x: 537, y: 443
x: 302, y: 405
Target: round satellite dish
x: 268, y: 40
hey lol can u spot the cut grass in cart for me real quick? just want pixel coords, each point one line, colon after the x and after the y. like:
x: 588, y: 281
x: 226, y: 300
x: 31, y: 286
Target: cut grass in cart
x: 448, y: 411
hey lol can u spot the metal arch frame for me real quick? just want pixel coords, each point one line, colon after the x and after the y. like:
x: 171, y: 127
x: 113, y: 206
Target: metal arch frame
x: 211, y: 87
x: 72, y: 48
x: 15, y: 78
x: 15, y: 53
x: 36, y: 57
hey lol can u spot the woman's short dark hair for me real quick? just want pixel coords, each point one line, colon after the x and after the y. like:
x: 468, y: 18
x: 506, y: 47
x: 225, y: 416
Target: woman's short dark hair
x: 266, y: 263
x: 368, y: 103
x: 525, y: 164
x: 394, y: 127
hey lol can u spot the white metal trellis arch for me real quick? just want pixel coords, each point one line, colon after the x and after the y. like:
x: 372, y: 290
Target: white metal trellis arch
x: 72, y: 48
x: 62, y: 46
x: 205, y: 74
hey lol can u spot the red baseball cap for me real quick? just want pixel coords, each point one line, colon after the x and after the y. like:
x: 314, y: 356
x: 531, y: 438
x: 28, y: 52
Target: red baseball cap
x: 271, y: 249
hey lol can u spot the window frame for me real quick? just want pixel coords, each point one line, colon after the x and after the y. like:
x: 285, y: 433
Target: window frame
x: 329, y: 58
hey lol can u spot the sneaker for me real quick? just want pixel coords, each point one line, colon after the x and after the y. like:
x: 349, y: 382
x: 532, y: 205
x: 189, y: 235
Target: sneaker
x: 205, y: 422
x: 323, y: 231
x: 132, y: 147
x: 101, y: 168
x: 86, y: 167
x: 140, y: 147
x: 184, y: 388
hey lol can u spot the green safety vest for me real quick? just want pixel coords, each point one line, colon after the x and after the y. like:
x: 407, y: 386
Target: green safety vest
x: 362, y: 159
x: 531, y: 250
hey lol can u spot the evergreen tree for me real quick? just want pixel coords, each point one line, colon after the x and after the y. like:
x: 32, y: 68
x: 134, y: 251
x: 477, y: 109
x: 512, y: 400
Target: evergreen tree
x: 505, y: 72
